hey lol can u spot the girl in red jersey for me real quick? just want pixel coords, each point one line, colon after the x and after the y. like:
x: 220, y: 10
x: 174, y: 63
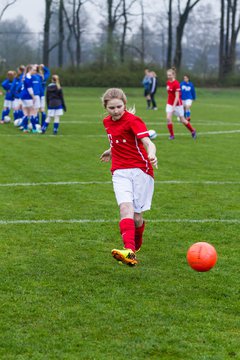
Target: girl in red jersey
x: 132, y: 154
x: 175, y: 105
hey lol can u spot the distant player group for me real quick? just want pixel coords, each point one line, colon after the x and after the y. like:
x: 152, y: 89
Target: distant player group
x: 179, y: 102
x: 25, y: 96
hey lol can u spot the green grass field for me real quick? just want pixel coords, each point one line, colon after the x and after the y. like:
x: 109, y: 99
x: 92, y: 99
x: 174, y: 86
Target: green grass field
x: 62, y: 294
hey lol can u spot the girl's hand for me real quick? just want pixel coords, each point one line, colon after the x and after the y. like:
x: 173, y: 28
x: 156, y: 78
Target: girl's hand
x: 153, y: 160
x: 106, y: 156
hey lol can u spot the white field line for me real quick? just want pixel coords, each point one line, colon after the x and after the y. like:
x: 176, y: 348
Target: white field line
x: 237, y: 131
x: 221, y: 132
x: 85, y: 183
x: 201, y: 123
x: 103, y: 221
x: 32, y: 136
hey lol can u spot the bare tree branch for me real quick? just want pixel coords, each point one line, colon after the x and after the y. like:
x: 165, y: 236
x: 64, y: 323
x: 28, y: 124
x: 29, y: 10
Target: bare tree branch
x: 6, y: 7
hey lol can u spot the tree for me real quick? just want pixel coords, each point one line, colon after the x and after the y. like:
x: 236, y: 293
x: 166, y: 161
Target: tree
x: 200, y: 52
x: 221, y: 42
x: 46, y: 31
x: 125, y: 15
x: 169, y: 46
x: 142, y: 51
x: 113, y: 16
x: 183, y: 18
x: 229, y: 30
x: 73, y: 14
x: 61, y: 32
x: 18, y: 44
x: 6, y: 6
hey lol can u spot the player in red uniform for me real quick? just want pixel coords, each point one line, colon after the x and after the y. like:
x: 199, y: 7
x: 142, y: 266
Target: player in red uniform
x: 175, y: 105
x: 132, y: 154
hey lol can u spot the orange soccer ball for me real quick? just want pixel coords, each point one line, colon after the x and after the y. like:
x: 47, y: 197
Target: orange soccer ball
x: 201, y: 256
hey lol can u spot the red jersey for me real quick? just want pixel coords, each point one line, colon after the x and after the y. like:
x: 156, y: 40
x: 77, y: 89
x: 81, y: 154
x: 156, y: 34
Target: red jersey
x: 125, y: 140
x: 172, y: 88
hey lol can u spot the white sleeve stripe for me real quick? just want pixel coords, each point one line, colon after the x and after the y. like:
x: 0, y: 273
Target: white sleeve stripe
x: 145, y: 132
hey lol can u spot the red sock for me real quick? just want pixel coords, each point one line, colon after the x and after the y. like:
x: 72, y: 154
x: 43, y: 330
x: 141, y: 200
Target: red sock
x: 170, y: 129
x: 139, y: 236
x: 127, y: 230
x: 189, y: 127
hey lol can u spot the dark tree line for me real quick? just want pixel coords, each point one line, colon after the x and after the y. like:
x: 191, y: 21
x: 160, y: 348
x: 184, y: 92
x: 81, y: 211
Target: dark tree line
x: 125, y: 33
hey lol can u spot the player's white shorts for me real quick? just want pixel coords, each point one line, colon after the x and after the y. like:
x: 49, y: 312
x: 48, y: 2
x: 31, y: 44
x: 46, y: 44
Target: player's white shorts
x: 8, y: 104
x: 27, y: 103
x: 133, y: 186
x: 187, y: 102
x: 42, y: 102
x: 37, y: 102
x: 178, y: 110
x: 16, y: 103
x: 55, y: 112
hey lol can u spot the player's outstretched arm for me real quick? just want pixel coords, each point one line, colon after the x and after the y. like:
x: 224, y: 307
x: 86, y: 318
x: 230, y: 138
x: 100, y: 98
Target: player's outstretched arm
x: 106, y: 156
x: 151, y: 151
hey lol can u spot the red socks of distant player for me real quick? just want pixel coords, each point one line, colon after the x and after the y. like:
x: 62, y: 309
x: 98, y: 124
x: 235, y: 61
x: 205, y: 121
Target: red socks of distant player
x: 189, y: 127
x: 127, y: 230
x: 139, y: 236
x: 170, y: 129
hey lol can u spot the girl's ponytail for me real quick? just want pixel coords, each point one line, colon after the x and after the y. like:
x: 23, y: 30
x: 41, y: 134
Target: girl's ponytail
x: 56, y: 80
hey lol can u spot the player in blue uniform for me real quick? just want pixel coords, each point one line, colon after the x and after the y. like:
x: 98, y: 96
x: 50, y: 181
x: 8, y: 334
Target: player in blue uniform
x: 45, y: 74
x: 27, y: 97
x: 147, y: 81
x: 37, y: 88
x: 188, y: 96
x: 8, y: 101
x: 15, y: 91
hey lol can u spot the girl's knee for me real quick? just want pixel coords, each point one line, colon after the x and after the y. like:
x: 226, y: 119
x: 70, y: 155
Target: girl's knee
x: 126, y: 210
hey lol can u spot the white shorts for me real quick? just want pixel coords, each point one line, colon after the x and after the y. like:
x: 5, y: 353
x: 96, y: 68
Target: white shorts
x: 16, y: 103
x: 37, y: 102
x: 187, y: 102
x: 42, y: 102
x: 8, y: 104
x: 55, y: 112
x: 27, y: 103
x: 133, y: 186
x: 178, y: 110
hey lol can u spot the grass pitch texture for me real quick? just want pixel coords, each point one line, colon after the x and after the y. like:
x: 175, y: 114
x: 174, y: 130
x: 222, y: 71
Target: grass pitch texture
x: 62, y: 295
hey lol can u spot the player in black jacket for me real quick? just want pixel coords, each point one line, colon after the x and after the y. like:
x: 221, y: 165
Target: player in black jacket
x: 55, y: 103
x: 153, y: 89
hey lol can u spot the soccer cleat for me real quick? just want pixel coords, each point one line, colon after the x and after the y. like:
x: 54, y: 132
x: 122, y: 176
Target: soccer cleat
x: 194, y: 134
x: 171, y: 137
x: 36, y: 131
x: 126, y: 256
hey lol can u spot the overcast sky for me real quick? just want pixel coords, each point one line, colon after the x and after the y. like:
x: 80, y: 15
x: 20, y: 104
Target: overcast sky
x: 33, y: 11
